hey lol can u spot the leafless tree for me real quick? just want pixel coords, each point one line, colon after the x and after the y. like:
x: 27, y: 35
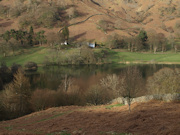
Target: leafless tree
x: 111, y: 83
x: 164, y: 81
x: 153, y: 40
x: 131, y: 83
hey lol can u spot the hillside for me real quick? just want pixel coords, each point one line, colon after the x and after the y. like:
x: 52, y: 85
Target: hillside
x: 124, y: 17
x: 150, y: 118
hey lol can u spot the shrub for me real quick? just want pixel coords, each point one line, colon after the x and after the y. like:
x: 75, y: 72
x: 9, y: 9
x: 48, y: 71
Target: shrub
x: 31, y: 66
x: 47, y: 16
x: 26, y: 20
x: 103, y: 25
x: 177, y: 24
x: 164, y: 81
x: 96, y: 95
x: 43, y: 99
x: 17, y: 10
x: 3, y: 11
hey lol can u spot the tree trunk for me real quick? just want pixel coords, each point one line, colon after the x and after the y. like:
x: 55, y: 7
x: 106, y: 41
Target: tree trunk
x: 175, y: 49
x: 155, y: 49
x: 129, y: 107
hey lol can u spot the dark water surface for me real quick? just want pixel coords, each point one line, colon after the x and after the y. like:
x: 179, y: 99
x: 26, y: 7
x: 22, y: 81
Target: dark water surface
x: 51, y: 77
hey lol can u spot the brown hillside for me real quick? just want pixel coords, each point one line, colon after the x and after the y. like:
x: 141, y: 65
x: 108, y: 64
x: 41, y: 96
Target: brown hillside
x: 124, y: 17
x: 153, y: 118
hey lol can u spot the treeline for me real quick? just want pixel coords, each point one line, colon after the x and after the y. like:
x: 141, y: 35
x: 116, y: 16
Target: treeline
x: 14, y: 40
x: 18, y: 99
x: 83, y: 55
x: 145, y: 41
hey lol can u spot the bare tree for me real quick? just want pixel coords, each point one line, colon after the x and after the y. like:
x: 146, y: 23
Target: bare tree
x: 153, y: 40
x: 111, y: 83
x: 131, y: 84
x: 164, y: 81
x: 162, y: 41
x: 66, y: 82
x: 4, y: 47
x: 172, y: 42
x: 14, y: 45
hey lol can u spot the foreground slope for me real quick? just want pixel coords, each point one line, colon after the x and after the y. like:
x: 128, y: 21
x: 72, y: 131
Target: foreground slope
x: 150, y: 118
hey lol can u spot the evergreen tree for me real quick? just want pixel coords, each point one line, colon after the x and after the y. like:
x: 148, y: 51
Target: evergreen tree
x: 7, y: 36
x: 31, y: 31
x: 65, y: 33
x: 40, y: 37
x: 30, y: 36
x: 143, y: 37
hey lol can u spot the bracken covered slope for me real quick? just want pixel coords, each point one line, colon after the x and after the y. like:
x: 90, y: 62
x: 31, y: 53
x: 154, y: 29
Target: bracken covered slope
x: 124, y: 17
x: 152, y: 118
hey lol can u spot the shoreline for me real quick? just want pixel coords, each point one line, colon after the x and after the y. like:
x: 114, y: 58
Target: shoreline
x: 149, y: 62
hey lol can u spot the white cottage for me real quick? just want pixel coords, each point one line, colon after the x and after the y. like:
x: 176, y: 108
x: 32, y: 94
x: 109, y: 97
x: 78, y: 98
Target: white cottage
x: 92, y: 45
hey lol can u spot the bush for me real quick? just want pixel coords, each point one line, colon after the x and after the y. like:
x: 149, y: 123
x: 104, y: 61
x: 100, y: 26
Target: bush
x: 27, y: 20
x: 17, y: 10
x: 96, y: 95
x: 47, y: 16
x: 177, y: 24
x: 43, y: 99
x: 31, y: 66
x: 3, y: 11
x: 164, y: 81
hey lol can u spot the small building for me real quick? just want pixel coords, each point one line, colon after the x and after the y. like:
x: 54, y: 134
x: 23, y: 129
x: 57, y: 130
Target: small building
x: 92, y: 45
x: 65, y: 43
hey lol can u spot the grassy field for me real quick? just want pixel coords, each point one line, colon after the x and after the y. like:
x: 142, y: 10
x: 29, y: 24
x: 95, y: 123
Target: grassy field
x: 118, y: 56
x: 37, y: 54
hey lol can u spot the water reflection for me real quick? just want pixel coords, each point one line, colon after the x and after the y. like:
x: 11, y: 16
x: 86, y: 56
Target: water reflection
x: 50, y: 77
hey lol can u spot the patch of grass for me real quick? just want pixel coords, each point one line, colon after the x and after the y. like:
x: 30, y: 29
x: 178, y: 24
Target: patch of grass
x: 51, y: 117
x: 114, y: 133
x: 60, y: 133
x: 118, y: 56
x: 111, y: 106
x: 35, y: 54
x: 9, y: 128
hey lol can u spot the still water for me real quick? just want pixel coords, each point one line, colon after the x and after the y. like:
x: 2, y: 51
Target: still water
x: 51, y: 77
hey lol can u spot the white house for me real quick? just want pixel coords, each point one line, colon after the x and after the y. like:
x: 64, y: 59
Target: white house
x: 92, y: 45
x: 65, y: 43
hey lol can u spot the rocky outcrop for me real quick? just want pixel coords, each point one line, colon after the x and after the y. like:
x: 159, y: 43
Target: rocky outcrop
x: 163, y: 97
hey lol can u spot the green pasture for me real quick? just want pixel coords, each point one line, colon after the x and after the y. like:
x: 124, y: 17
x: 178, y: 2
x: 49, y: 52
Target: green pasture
x: 37, y: 54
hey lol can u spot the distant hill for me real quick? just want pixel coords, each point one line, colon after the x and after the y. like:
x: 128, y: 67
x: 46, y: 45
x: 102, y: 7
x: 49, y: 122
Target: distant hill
x: 124, y: 17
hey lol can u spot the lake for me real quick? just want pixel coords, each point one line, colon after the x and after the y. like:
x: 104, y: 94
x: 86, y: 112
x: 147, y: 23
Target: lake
x: 51, y: 77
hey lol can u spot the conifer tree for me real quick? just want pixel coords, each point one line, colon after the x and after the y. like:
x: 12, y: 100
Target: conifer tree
x: 65, y: 33
x: 17, y: 95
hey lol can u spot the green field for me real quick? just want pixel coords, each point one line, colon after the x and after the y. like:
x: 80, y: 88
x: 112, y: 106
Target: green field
x: 37, y: 54
x: 120, y: 56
